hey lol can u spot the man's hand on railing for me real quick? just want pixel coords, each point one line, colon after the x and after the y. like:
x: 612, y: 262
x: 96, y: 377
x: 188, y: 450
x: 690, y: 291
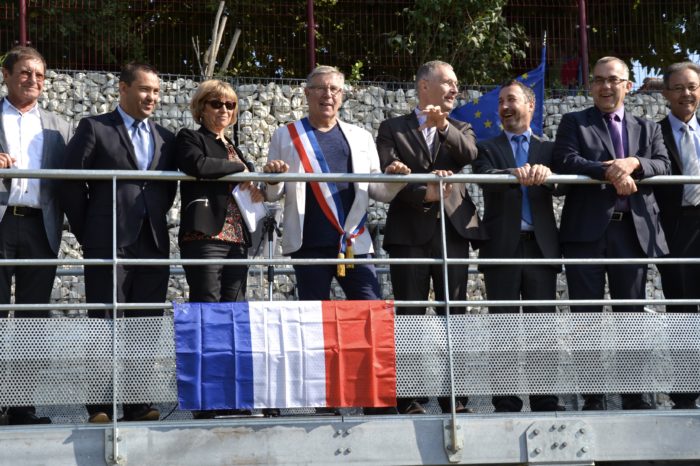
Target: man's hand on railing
x: 397, y: 168
x: 531, y: 175
x: 275, y: 166
x: 6, y: 161
x: 433, y: 192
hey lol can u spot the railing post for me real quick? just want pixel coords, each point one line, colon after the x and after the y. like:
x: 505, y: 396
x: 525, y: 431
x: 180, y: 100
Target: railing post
x: 453, y: 442
x: 116, y: 458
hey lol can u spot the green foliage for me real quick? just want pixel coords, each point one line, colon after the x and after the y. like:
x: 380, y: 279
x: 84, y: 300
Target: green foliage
x: 472, y: 35
x: 355, y: 72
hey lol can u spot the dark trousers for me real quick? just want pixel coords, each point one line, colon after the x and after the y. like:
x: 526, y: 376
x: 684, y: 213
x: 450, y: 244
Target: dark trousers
x: 24, y: 237
x: 412, y: 283
x: 625, y: 281
x: 314, y: 281
x: 680, y: 281
x: 135, y: 284
x: 215, y: 283
x: 525, y: 282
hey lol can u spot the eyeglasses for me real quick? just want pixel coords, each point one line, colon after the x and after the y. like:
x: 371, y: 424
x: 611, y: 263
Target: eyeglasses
x: 217, y: 104
x: 680, y: 89
x: 612, y: 80
x: 334, y: 90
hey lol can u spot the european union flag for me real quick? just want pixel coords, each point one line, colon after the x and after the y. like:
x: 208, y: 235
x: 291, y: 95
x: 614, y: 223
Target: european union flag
x: 482, y: 113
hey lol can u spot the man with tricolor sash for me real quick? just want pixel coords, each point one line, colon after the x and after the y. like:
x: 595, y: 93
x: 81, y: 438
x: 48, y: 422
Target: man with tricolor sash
x: 327, y: 219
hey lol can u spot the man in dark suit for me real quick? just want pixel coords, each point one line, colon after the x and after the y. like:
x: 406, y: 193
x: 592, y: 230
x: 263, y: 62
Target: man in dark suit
x: 679, y: 204
x: 428, y: 141
x: 615, y: 220
x: 519, y: 219
x: 124, y: 139
x: 32, y: 220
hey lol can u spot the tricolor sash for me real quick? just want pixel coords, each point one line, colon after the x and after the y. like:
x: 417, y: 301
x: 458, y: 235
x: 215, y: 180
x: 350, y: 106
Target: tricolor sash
x: 326, y: 193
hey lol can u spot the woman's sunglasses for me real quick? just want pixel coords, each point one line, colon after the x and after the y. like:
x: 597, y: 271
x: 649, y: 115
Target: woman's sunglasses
x: 217, y: 104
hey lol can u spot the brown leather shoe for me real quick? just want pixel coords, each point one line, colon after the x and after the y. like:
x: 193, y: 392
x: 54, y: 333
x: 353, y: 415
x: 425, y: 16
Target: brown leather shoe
x: 414, y: 408
x: 146, y: 413
x: 99, y: 418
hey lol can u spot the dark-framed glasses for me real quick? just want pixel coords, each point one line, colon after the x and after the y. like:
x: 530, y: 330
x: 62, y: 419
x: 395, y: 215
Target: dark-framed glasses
x: 217, y: 104
x: 681, y: 89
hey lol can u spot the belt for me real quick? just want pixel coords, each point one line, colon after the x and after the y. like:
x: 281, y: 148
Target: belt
x: 690, y: 211
x: 22, y: 211
x: 527, y: 235
x: 618, y: 216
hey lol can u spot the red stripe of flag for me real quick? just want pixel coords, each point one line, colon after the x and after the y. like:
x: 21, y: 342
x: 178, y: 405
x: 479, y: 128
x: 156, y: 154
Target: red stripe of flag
x: 360, y: 353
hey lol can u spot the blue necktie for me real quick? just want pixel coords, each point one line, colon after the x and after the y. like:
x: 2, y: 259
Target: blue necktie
x: 138, y: 139
x: 520, y: 160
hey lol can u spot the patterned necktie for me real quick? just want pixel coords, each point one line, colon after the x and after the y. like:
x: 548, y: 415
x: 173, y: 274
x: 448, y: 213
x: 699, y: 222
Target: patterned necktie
x: 138, y: 138
x: 615, y: 135
x: 691, y: 167
x: 520, y: 160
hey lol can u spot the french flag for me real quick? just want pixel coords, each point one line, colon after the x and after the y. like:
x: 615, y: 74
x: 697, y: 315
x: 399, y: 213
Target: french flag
x: 285, y: 354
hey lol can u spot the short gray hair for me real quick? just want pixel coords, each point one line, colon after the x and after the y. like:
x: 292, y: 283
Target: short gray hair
x: 625, y: 68
x: 324, y: 69
x: 427, y: 69
x: 677, y: 68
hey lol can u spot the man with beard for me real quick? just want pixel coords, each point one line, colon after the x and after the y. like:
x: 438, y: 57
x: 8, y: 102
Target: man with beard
x: 428, y: 141
x: 680, y: 203
x: 616, y: 220
x: 519, y: 218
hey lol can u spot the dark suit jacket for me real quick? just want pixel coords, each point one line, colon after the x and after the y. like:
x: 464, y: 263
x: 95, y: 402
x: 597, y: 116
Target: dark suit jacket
x: 410, y: 221
x: 200, y: 154
x: 582, y: 145
x: 503, y: 202
x: 103, y: 143
x: 56, y: 135
x: 670, y: 196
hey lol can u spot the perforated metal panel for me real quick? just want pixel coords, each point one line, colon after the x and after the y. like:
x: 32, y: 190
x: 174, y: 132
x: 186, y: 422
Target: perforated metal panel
x: 69, y: 361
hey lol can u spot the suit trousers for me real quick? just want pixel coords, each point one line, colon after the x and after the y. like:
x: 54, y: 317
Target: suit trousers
x: 412, y: 282
x: 625, y: 281
x: 513, y: 282
x: 24, y: 237
x: 314, y: 281
x: 135, y: 284
x: 679, y: 281
x: 215, y: 283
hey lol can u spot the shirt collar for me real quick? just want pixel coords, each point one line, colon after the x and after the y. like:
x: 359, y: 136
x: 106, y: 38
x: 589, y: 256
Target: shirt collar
x: 527, y: 134
x: 421, y: 118
x: 676, y: 123
x: 620, y: 112
x: 129, y: 120
x: 8, y: 107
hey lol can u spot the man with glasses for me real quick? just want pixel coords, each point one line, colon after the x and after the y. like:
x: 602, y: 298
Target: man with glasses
x: 428, y: 141
x: 125, y: 139
x: 32, y: 220
x: 680, y: 203
x: 328, y: 220
x: 614, y: 220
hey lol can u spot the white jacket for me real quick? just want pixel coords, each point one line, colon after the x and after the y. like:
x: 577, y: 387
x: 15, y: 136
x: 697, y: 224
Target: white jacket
x: 363, y: 152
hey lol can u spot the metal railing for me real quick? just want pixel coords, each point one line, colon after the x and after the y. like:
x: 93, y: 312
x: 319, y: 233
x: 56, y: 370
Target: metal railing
x: 455, y: 367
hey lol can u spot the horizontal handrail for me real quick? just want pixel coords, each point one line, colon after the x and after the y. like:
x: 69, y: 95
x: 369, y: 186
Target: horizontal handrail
x: 347, y: 177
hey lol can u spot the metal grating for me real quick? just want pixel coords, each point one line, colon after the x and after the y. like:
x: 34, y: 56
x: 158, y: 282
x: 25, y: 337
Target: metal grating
x: 69, y: 361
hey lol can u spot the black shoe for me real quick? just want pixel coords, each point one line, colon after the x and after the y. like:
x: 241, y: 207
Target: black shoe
x: 638, y: 404
x: 594, y: 404
x: 328, y: 411
x: 380, y: 411
x: 414, y: 408
x: 685, y: 404
x: 271, y: 412
x: 26, y: 418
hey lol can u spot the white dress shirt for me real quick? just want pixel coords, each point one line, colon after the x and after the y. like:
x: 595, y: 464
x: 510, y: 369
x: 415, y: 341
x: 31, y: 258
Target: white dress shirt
x: 25, y: 143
